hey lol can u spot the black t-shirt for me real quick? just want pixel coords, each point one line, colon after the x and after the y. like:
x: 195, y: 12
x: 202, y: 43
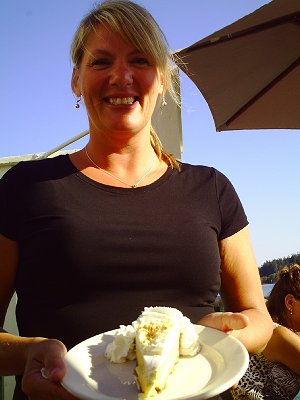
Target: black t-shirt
x: 93, y: 256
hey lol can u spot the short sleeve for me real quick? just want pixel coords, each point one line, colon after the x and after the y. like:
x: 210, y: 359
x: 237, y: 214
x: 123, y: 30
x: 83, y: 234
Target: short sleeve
x: 233, y: 216
x: 9, y: 201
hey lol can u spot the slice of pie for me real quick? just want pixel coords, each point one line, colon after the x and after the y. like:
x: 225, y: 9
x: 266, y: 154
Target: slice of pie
x: 159, y: 336
x: 157, y: 342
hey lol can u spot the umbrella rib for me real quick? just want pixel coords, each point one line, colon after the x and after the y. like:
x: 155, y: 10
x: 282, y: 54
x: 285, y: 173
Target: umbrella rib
x: 293, y: 18
x: 261, y: 93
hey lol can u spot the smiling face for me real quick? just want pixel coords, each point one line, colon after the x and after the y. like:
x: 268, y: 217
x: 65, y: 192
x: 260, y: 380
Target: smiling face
x: 119, y: 84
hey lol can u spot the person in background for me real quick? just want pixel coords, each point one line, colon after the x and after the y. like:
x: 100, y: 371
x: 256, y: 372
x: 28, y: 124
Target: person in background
x: 91, y: 238
x: 275, y: 373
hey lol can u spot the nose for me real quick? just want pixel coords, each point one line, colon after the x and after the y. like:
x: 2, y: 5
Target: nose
x: 121, y: 74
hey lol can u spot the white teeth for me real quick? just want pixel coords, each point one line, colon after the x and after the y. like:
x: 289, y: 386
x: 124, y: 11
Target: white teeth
x: 119, y: 100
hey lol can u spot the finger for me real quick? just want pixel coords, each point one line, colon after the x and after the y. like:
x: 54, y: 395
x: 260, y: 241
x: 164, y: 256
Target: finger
x: 235, y: 321
x: 54, y: 368
x: 225, y: 321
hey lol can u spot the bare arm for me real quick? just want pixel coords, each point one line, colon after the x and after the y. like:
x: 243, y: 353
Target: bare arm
x: 12, y: 359
x: 284, y: 347
x: 26, y: 356
x: 242, y: 295
x: 9, y: 255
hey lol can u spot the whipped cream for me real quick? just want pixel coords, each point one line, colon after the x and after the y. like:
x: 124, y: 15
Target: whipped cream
x: 121, y: 348
x: 189, y: 344
x: 158, y: 320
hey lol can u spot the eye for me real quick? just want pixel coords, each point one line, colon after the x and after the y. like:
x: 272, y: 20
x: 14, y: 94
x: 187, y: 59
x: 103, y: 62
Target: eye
x: 100, y: 63
x: 141, y: 61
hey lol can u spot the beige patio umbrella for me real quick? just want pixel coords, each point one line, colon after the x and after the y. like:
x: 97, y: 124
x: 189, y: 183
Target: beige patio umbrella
x: 249, y: 71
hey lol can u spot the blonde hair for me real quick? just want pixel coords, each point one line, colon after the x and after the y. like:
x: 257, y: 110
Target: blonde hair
x: 288, y: 282
x: 137, y: 27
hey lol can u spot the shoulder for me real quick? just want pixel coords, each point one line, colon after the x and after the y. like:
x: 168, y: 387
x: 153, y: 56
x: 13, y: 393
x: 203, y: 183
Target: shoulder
x: 197, y: 168
x: 211, y: 177
x: 282, y: 333
x: 202, y: 171
x: 282, y: 340
x: 186, y: 167
x: 36, y: 169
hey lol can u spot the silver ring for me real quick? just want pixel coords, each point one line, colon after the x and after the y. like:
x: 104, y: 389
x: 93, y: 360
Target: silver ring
x: 43, y: 373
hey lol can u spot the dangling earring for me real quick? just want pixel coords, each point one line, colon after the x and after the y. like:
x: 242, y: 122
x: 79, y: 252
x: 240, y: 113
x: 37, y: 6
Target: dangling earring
x: 163, y: 101
x: 77, y: 105
x: 291, y: 312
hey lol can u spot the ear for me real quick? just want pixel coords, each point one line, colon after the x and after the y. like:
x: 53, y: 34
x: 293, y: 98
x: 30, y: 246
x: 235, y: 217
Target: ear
x: 161, y: 89
x: 289, y: 301
x: 75, y: 82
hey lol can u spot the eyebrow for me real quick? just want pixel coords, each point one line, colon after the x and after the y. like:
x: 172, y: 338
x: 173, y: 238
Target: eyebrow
x: 108, y: 53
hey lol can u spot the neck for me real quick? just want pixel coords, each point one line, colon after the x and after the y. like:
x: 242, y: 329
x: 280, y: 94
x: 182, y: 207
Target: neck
x: 120, y: 154
x: 117, y: 141
x: 132, y: 176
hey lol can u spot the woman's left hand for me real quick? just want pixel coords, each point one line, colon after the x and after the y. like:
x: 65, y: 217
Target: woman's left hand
x: 228, y: 322
x: 225, y: 321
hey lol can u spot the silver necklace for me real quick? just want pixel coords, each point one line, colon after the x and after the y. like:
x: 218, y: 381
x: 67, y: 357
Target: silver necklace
x: 135, y: 185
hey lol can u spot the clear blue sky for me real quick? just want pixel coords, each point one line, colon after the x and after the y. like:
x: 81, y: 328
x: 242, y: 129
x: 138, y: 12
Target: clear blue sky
x: 37, y: 107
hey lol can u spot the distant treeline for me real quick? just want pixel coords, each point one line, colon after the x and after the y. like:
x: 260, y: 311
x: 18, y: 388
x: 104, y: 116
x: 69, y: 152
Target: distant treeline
x: 269, y: 269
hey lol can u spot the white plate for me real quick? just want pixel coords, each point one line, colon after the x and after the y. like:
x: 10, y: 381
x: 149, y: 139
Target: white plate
x: 221, y: 362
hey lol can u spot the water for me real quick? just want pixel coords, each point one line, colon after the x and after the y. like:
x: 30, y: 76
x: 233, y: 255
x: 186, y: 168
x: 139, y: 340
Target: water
x: 267, y: 289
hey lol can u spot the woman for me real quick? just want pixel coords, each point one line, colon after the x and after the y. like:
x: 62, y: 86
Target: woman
x: 91, y: 238
x: 275, y: 373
